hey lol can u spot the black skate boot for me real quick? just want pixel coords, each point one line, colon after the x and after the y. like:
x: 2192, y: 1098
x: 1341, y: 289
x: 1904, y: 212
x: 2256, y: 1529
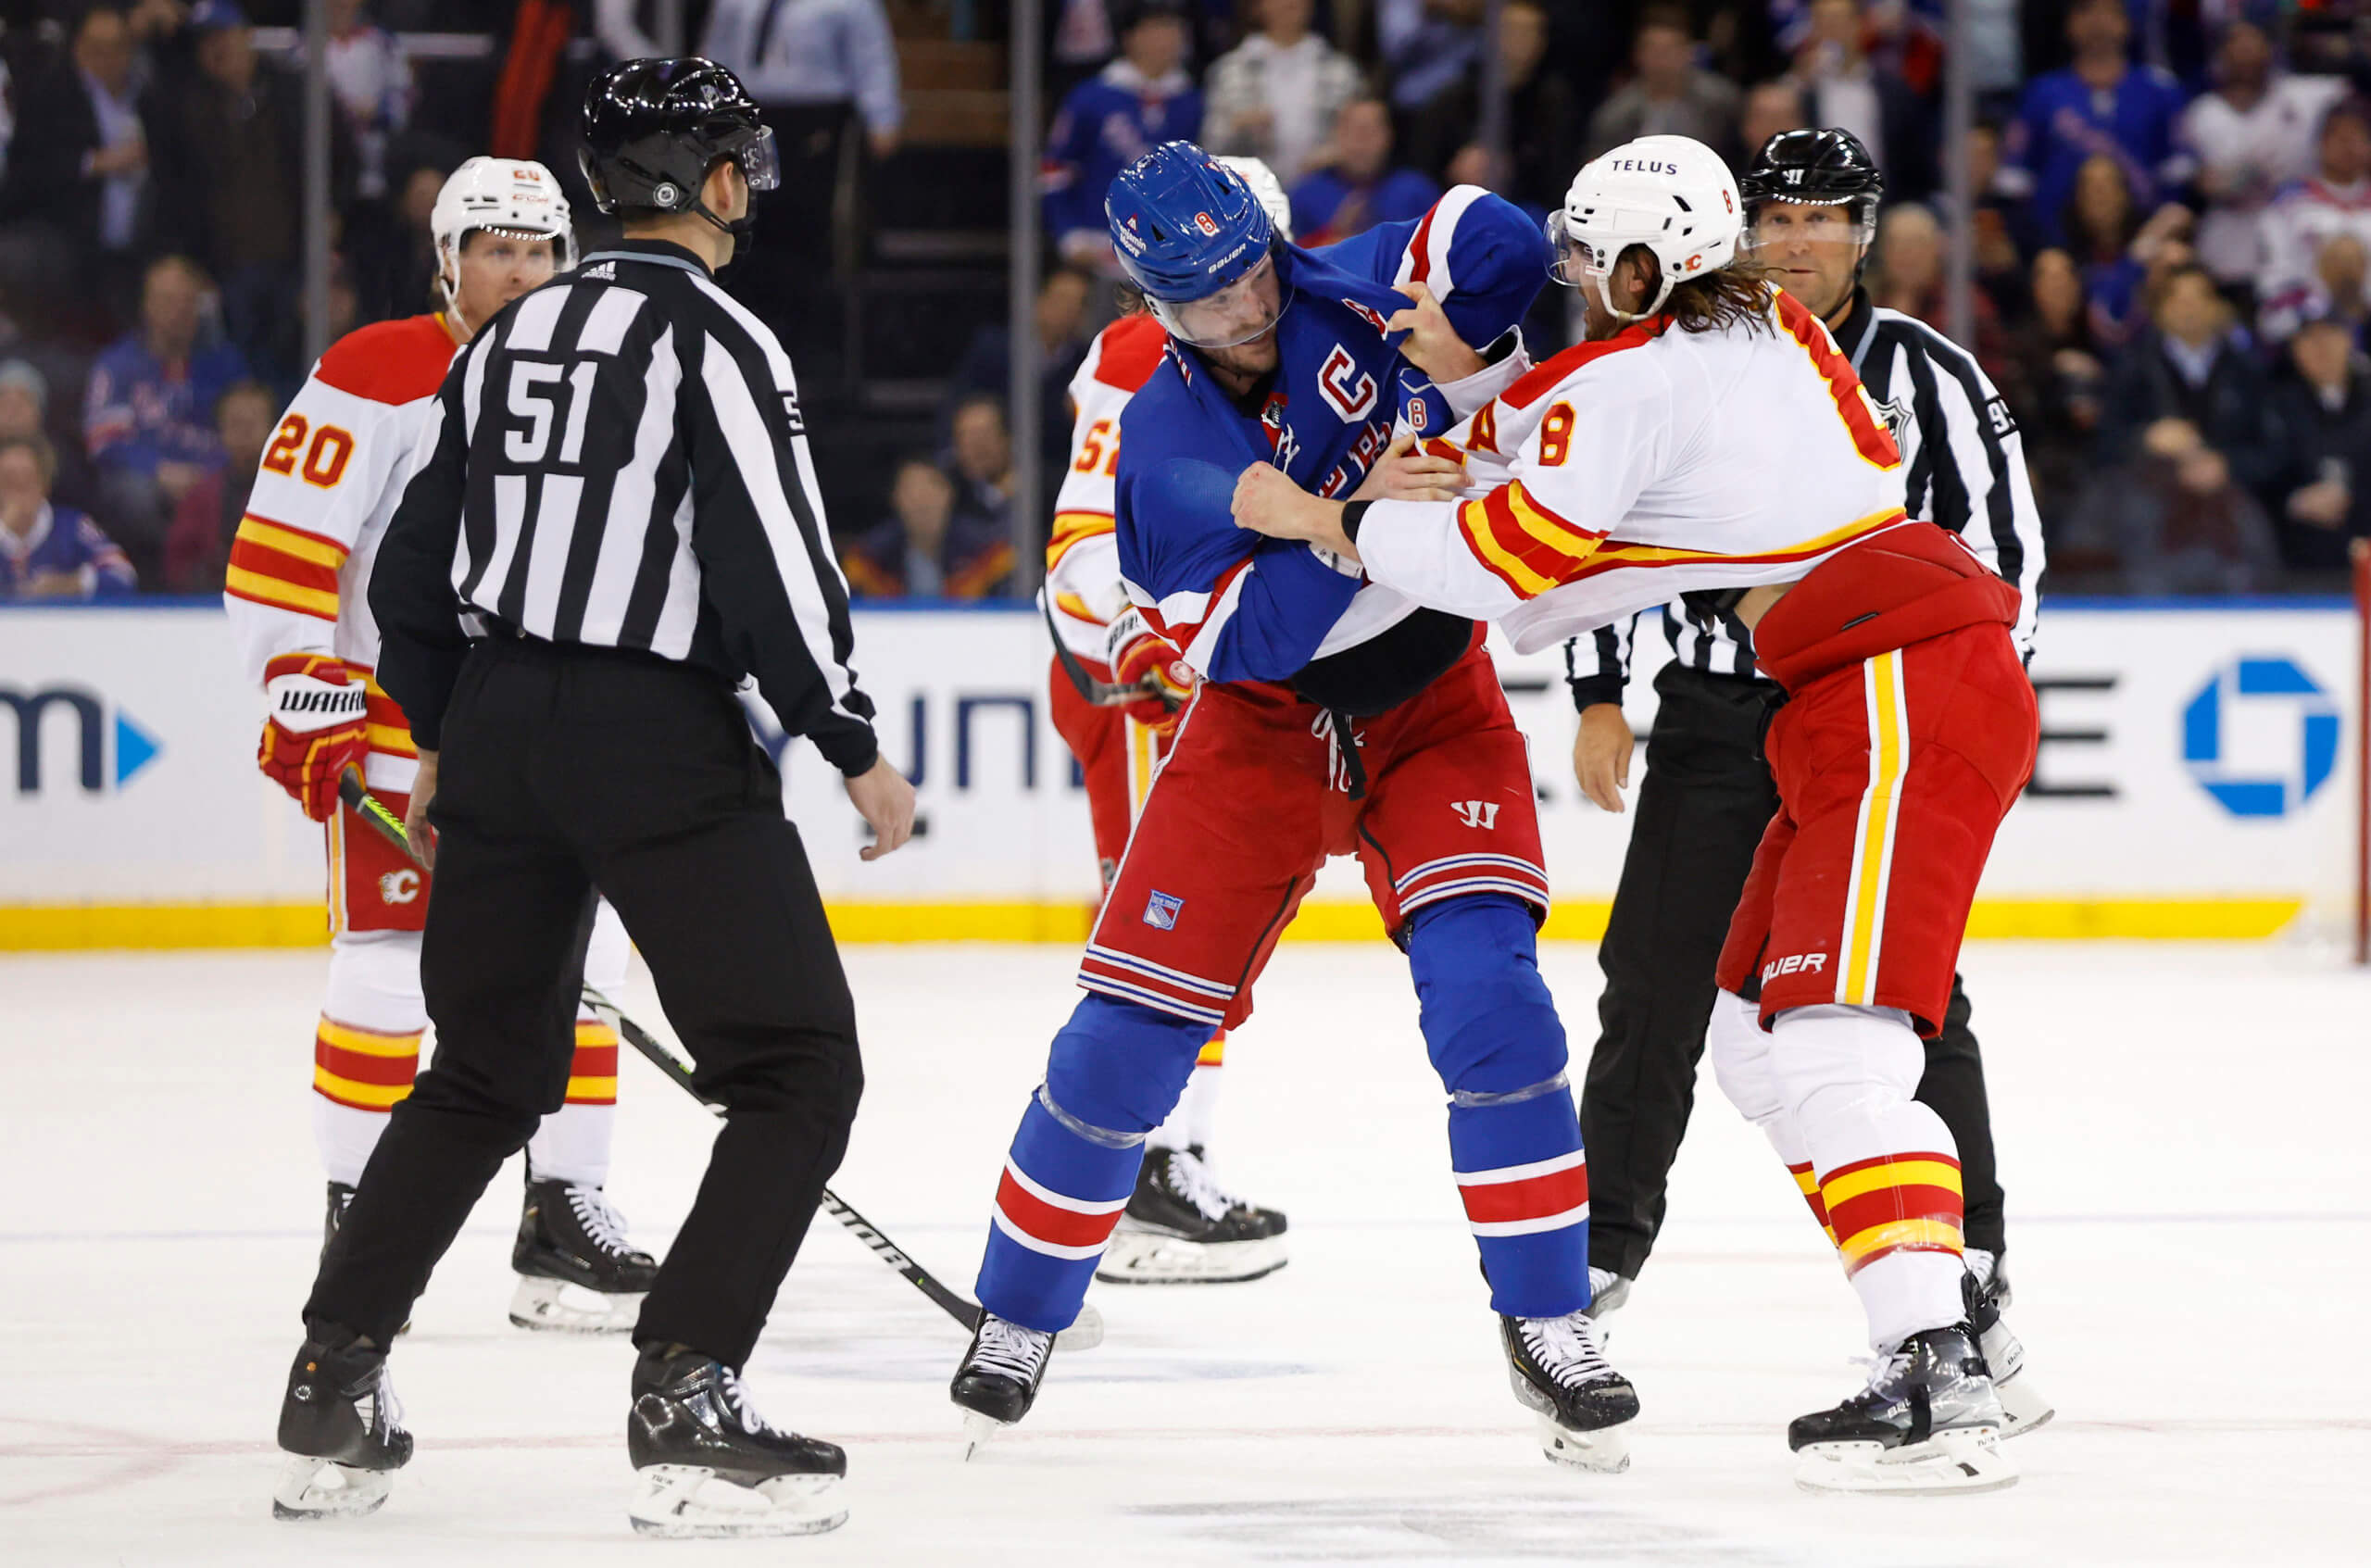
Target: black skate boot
x: 340, y: 1420
x: 1929, y: 1422
x: 1609, y: 1293
x: 999, y: 1377
x: 1181, y: 1227
x: 706, y: 1463
x: 1985, y: 1288
x: 1582, y: 1403
x: 577, y: 1271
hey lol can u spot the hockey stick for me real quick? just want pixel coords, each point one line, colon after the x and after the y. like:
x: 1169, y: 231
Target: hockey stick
x: 1083, y: 1334
x: 1099, y: 694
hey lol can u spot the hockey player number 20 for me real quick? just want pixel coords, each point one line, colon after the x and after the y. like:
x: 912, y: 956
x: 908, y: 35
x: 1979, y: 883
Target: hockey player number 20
x: 325, y: 457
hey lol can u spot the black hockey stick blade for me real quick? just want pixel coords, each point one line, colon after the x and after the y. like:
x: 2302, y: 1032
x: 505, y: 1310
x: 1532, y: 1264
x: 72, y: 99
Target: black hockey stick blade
x: 373, y: 810
x: 1083, y: 1333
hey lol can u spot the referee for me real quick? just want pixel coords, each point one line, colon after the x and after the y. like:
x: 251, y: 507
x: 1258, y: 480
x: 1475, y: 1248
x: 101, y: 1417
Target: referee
x: 1810, y: 199
x: 614, y: 522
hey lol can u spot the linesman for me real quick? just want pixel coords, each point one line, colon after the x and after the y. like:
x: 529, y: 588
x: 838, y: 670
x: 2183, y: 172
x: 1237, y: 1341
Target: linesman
x: 1810, y: 199
x: 612, y: 521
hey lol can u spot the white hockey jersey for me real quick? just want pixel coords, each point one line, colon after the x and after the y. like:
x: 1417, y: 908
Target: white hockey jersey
x: 327, y: 487
x: 1083, y: 585
x: 1623, y: 473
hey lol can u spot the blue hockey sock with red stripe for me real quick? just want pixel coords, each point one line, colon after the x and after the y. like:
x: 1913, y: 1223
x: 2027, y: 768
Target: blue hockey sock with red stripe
x: 1514, y: 1136
x: 1115, y: 1072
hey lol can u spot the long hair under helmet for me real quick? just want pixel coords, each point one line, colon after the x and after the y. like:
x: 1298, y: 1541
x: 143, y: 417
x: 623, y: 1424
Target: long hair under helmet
x: 1672, y: 194
x: 514, y: 197
x: 1192, y: 234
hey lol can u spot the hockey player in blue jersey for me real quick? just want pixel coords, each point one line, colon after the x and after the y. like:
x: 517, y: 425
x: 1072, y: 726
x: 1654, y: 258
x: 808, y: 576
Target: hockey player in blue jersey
x: 1334, y: 717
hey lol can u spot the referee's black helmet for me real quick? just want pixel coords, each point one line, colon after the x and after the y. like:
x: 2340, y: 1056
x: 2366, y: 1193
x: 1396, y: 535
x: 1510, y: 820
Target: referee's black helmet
x: 1821, y: 168
x: 654, y: 129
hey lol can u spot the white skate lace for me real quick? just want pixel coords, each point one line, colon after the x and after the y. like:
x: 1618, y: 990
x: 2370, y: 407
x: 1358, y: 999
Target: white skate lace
x: 379, y: 1400
x: 1892, y: 1365
x: 603, y: 1225
x: 1010, y: 1350
x: 744, y: 1408
x: 1190, y: 1179
x: 1566, y: 1349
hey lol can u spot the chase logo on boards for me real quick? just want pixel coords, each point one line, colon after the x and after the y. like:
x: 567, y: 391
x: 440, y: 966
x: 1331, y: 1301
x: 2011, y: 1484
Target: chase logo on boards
x: 2261, y: 736
x: 94, y: 737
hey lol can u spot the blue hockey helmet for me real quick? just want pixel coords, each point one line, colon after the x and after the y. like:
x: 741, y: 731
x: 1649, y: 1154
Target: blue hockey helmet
x: 1196, y: 240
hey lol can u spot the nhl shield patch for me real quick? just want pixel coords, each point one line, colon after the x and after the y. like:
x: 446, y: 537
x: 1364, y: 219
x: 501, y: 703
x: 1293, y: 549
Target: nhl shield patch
x: 1160, y: 911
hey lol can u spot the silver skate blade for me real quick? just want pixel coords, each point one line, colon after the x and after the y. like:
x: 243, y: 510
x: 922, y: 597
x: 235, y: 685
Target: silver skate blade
x: 977, y: 1430
x: 1605, y: 1451
x: 1084, y: 1333
x: 2023, y: 1407
x: 556, y: 1306
x: 690, y: 1501
x: 322, y: 1489
x: 1150, y: 1257
x: 1968, y: 1460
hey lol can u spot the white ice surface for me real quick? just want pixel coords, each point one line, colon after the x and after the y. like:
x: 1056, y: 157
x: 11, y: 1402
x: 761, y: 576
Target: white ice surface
x: 2180, y: 1130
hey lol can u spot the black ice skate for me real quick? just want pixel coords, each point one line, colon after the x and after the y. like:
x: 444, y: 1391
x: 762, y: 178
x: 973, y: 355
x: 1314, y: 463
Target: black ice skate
x: 577, y: 1271
x: 1985, y: 1288
x: 999, y: 1377
x: 1609, y: 1293
x: 1181, y: 1227
x: 706, y: 1463
x: 1929, y: 1422
x: 1581, y: 1403
x: 340, y: 1420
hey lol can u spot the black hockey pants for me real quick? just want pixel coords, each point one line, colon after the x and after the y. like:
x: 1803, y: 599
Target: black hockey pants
x: 563, y: 771
x: 1700, y: 809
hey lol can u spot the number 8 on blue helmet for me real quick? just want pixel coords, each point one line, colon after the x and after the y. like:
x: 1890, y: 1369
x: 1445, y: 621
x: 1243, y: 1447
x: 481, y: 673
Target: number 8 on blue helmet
x: 1196, y: 240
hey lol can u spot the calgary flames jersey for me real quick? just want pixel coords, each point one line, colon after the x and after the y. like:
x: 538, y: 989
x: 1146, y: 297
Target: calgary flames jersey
x: 1083, y: 554
x: 325, y: 493
x: 1625, y: 473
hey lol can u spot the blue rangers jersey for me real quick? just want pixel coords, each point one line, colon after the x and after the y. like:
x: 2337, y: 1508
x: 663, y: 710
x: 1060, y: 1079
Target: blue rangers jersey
x: 1240, y: 606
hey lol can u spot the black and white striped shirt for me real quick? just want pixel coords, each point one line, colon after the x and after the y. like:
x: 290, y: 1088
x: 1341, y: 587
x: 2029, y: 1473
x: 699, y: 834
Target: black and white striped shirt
x: 1965, y: 469
x: 618, y: 461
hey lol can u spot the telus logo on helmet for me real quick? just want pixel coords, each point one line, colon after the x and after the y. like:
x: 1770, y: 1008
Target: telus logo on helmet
x: 1643, y: 165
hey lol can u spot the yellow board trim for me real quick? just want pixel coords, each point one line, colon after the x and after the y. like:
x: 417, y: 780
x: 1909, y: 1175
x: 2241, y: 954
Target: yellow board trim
x: 1899, y: 1174
x: 288, y: 595
x: 77, y: 927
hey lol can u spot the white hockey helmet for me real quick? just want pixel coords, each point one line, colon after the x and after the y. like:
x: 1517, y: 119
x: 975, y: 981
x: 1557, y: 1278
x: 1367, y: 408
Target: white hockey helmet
x: 514, y: 197
x: 1268, y: 188
x: 1672, y: 194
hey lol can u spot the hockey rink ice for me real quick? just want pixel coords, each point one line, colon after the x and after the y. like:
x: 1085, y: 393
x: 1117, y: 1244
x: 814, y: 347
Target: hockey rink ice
x: 2180, y: 1133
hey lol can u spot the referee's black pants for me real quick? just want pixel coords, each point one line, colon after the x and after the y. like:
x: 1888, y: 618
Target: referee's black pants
x: 1700, y: 811
x: 563, y: 771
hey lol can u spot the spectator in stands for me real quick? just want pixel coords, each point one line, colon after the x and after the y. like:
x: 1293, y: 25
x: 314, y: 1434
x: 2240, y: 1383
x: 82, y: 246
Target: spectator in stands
x: 2102, y: 105
x: 50, y: 552
x: 230, y: 163
x: 2189, y: 368
x: 817, y: 68
x: 24, y: 411
x: 979, y: 462
x: 986, y: 366
x: 79, y: 161
x: 2005, y: 235
x: 1544, y: 120
x: 1770, y: 107
x: 2177, y: 521
x: 1359, y: 188
x: 1667, y: 92
x: 924, y: 550
x: 1426, y: 46
x: 371, y: 82
x: 1842, y: 88
x: 388, y: 247
x: 2120, y: 252
x: 2322, y: 399
x: 2304, y: 217
x: 198, y: 547
x: 2056, y: 377
x: 1276, y: 95
x: 1140, y: 101
x: 2252, y: 135
x: 148, y: 414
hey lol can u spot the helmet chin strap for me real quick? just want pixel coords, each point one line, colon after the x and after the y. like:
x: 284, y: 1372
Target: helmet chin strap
x: 1605, y: 300
x: 450, y: 289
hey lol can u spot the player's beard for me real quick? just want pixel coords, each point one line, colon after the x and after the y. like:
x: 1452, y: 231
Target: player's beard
x: 1241, y: 364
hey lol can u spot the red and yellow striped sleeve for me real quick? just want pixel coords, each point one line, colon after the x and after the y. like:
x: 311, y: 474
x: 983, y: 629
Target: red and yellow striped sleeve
x: 284, y: 568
